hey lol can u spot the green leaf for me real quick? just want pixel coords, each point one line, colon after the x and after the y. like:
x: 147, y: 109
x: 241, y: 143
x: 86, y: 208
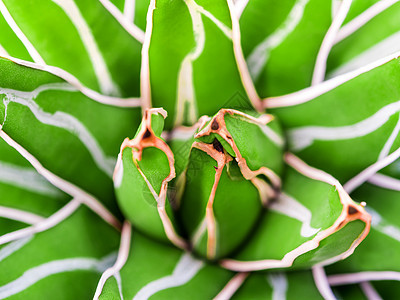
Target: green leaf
x: 47, y: 264
x: 290, y: 285
x: 14, y: 45
x: 236, y: 206
x: 27, y: 197
x: 134, y: 10
x: 71, y: 135
x: 141, y: 8
x: 314, y: 221
x: 335, y: 128
x: 161, y: 272
x: 72, y: 77
x: 144, y: 169
x: 281, y: 40
x: 356, y: 45
x: 357, y: 7
x: 224, y: 167
x: 103, y: 55
x: 193, y: 63
x: 25, y: 188
x: 384, y: 238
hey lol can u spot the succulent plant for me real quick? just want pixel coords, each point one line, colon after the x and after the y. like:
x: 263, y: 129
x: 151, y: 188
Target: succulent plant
x: 199, y: 149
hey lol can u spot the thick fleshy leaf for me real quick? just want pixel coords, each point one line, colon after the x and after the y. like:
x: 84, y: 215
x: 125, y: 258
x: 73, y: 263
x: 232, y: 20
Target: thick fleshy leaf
x: 219, y: 209
x: 314, y: 221
x: 281, y: 40
x: 323, y: 129
x: 81, y: 37
x: 64, y: 112
x: 384, y: 238
x: 71, y: 135
x: 144, y: 169
x: 134, y: 10
x: 370, y: 258
x: 159, y: 271
x: 25, y: 196
x: 49, y: 264
x: 230, y: 173
x: 290, y: 285
x: 194, y: 60
x: 359, y: 43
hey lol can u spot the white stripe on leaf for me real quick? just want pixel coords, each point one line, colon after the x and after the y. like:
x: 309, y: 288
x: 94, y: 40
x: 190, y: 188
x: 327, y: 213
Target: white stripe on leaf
x: 232, y: 286
x: 64, y: 185
x: 321, y: 281
x: 61, y: 120
x: 369, y: 291
x: 240, y: 5
x: 311, y: 93
x: 18, y: 32
x: 119, y: 175
x: 290, y: 207
x: 367, y: 173
x: 363, y: 18
x: 107, y: 86
x: 20, y: 215
x: 244, y: 73
x: 186, y: 97
x: 351, y: 278
x: 43, y: 225
x: 303, y: 137
x: 27, y: 179
x: 289, y: 257
x: 383, y: 226
x: 186, y: 268
x: 272, y: 135
x: 335, y: 5
x: 186, y: 94
x: 328, y: 42
x: 123, y: 254
x: 385, y: 181
x: 35, y: 274
x: 93, y: 95
x: 389, y: 143
x: 259, y: 56
x: 129, y: 10
x: 11, y: 248
x: 145, y: 90
x: 386, y: 47
x: 129, y: 26
x: 279, y: 284
x: 225, y: 29
x: 199, y: 232
x: 117, y: 277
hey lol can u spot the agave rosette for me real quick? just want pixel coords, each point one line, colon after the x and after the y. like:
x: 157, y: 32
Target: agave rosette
x: 227, y: 173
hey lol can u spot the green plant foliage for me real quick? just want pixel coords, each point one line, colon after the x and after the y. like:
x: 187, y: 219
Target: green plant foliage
x: 199, y: 149
x: 374, y: 40
x: 272, y: 30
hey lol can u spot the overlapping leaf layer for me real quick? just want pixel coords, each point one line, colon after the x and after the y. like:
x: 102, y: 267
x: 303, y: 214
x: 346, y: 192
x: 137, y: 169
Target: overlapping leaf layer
x: 260, y: 158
